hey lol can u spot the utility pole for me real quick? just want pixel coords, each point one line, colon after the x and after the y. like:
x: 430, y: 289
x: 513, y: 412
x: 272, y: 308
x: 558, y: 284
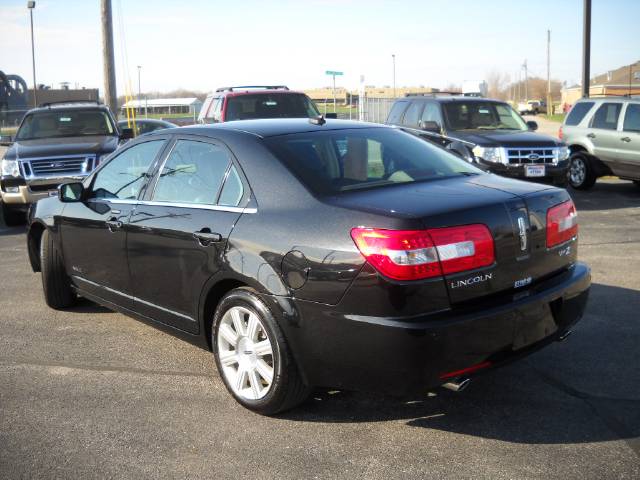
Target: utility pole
x: 526, y: 81
x: 549, y: 99
x: 393, y: 56
x: 31, y: 5
x: 108, y: 66
x: 586, y: 49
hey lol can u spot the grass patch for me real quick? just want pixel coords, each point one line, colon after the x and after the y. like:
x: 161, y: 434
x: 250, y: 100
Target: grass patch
x: 557, y: 117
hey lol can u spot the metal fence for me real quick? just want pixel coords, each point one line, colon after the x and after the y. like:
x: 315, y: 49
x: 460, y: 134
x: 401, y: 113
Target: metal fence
x: 376, y: 110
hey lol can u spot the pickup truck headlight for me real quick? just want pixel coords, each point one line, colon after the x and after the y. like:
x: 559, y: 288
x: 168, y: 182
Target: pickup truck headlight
x: 10, y: 168
x: 563, y: 153
x: 489, y: 154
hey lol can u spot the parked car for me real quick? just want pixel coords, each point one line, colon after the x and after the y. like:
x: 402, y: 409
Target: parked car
x: 313, y: 253
x: 486, y: 132
x: 254, y: 102
x: 533, y: 107
x: 603, y: 135
x: 55, y: 143
x: 145, y: 125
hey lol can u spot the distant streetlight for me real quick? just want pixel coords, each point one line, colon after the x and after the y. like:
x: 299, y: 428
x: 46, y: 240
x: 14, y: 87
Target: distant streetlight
x: 31, y: 5
x: 393, y: 56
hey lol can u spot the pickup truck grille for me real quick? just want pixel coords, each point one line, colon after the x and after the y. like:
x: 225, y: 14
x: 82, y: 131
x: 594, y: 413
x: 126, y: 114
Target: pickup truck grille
x: 59, y: 166
x: 533, y: 155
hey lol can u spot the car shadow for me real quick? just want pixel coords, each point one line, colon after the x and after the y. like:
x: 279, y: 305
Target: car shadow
x: 607, y: 194
x: 87, y: 306
x: 585, y: 389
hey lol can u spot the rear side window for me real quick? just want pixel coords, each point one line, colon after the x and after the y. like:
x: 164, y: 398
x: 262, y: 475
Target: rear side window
x: 396, y: 112
x: 232, y: 190
x: 578, y: 112
x: 632, y: 118
x: 193, y: 173
x: 413, y: 114
x: 431, y: 113
x: 606, y: 117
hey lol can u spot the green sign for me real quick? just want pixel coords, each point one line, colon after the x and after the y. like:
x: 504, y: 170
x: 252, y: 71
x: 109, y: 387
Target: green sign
x: 331, y: 72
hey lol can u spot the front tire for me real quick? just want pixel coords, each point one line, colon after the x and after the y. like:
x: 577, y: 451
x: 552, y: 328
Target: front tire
x: 581, y: 174
x: 56, y: 285
x: 253, y: 357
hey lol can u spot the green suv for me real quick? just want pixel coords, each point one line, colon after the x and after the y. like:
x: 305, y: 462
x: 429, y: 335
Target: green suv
x: 603, y: 135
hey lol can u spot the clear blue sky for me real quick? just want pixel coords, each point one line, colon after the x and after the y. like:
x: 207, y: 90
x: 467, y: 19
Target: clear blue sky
x: 200, y: 44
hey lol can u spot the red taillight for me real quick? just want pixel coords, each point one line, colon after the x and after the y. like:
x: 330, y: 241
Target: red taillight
x: 418, y: 254
x: 562, y: 223
x: 560, y: 133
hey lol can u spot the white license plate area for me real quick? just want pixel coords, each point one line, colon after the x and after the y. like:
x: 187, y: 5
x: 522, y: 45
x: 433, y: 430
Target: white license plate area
x: 534, y: 171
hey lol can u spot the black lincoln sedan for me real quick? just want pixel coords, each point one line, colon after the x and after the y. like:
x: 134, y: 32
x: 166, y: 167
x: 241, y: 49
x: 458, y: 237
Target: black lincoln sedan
x: 312, y: 253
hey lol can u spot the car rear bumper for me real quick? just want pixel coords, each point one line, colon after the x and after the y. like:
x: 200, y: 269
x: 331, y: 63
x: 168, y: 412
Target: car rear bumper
x: 407, y: 355
x: 552, y: 172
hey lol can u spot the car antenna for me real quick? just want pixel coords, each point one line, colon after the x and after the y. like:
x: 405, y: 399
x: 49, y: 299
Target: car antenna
x: 319, y: 120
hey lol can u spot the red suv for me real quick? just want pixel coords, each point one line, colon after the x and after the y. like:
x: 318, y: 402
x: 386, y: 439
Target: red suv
x: 252, y: 102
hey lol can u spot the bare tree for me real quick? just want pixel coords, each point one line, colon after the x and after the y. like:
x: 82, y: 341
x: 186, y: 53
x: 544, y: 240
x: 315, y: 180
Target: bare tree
x: 498, y: 84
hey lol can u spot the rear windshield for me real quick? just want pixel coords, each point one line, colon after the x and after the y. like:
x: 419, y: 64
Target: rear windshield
x: 482, y: 116
x: 263, y: 105
x: 334, y: 161
x: 59, y: 123
x: 578, y: 112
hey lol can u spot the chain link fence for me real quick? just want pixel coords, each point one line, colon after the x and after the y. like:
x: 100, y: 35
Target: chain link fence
x: 375, y: 110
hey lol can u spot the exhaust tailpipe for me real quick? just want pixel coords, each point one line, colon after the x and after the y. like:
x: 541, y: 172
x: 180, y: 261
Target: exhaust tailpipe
x: 457, y: 384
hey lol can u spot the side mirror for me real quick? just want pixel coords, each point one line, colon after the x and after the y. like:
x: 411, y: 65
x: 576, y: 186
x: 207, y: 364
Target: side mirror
x: 533, y: 126
x: 331, y: 115
x: 126, y: 134
x: 430, y: 126
x: 70, y: 192
x: 6, y: 140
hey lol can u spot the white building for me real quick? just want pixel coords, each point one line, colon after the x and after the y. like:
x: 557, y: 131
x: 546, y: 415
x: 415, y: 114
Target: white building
x: 164, y: 106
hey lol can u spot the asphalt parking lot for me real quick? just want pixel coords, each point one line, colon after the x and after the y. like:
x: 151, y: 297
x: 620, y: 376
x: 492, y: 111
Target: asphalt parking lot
x: 88, y: 393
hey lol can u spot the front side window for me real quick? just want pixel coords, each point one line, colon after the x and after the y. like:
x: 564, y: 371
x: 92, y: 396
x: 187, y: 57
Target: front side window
x: 632, y: 118
x: 431, y: 113
x: 58, y: 123
x: 125, y: 174
x: 193, y: 173
x: 267, y: 105
x: 606, y: 117
x: 334, y: 161
x: 482, y: 116
x: 578, y: 112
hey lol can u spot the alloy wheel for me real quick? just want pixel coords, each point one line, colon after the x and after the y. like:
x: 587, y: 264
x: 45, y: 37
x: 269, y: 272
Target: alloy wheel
x: 245, y: 353
x: 577, y: 171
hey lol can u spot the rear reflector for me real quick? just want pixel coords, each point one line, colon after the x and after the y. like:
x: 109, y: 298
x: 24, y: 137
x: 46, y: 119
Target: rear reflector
x: 464, y: 371
x: 418, y: 254
x: 560, y: 134
x: 562, y: 223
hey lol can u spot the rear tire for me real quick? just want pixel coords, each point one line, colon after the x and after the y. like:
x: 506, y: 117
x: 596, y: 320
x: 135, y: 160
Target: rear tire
x: 253, y: 357
x: 56, y: 285
x: 12, y: 216
x: 581, y: 174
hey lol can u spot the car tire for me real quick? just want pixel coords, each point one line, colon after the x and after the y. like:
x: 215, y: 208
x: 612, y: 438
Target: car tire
x: 581, y: 175
x: 253, y: 357
x: 56, y: 284
x: 12, y: 216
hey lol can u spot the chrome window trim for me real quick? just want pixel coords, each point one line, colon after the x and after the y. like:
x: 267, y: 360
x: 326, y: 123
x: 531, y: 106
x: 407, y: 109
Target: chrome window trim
x: 217, y: 208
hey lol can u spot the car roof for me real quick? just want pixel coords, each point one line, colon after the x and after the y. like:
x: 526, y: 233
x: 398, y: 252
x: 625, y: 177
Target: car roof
x: 447, y: 99
x: 254, y: 92
x: 610, y: 98
x: 69, y: 106
x: 273, y: 127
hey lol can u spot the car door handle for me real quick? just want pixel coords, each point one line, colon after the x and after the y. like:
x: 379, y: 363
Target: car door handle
x: 206, y: 237
x: 625, y: 139
x: 113, y: 224
x: 591, y: 135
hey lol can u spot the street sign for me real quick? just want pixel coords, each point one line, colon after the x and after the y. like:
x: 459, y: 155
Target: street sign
x: 331, y: 72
